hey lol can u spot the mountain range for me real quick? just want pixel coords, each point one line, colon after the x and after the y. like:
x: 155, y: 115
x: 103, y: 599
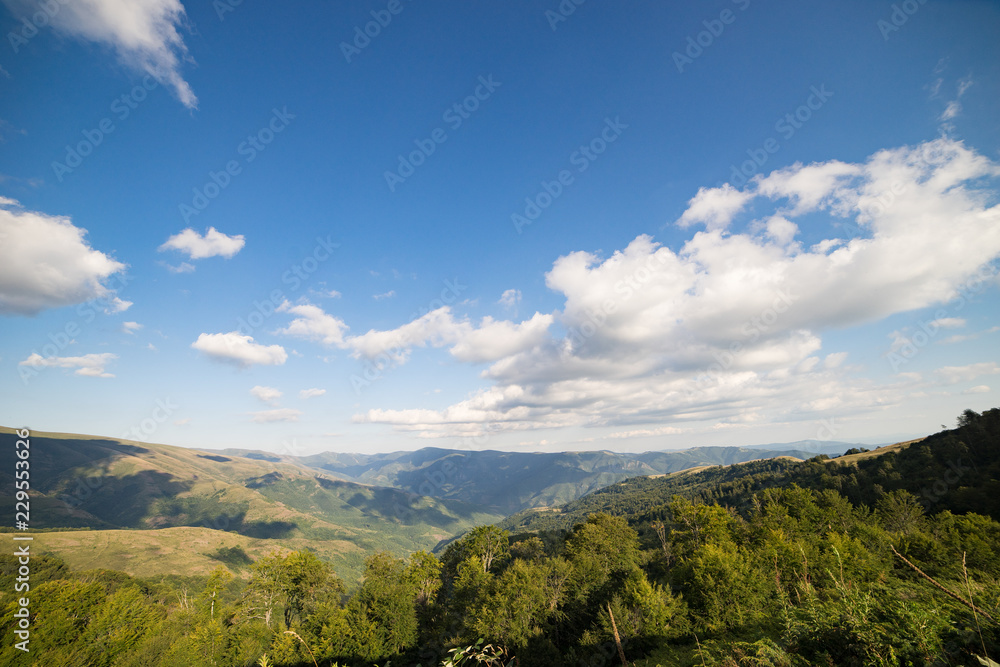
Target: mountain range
x: 90, y: 495
x: 509, y: 482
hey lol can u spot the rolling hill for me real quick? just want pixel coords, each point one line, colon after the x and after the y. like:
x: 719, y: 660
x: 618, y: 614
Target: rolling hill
x: 956, y: 469
x: 509, y: 482
x: 102, y: 484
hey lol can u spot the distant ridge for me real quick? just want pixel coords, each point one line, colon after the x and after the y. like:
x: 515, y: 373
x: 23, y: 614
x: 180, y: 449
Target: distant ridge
x: 509, y: 482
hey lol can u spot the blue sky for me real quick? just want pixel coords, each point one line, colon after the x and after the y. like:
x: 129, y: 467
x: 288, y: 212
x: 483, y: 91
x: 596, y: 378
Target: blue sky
x: 491, y: 225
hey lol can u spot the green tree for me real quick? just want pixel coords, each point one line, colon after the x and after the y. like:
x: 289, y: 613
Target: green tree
x: 602, y: 547
x: 382, y: 614
x: 118, y: 626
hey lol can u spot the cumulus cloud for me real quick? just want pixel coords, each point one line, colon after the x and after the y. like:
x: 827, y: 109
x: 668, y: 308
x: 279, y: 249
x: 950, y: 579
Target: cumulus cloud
x: 436, y: 328
x: 715, y: 207
x: 267, y: 394
x: 234, y: 347
x: 130, y: 327
x: 143, y: 33
x: 488, y: 341
x: 276, y: 415
x: 493, y: 339
x: 728, y: 327
x: 196, y: 246
x: 89, y: 365
x: 978, y: 389
x: 384, y: 295
x: 313, y: 324
x: 45, y: 262
x: 311, y: 393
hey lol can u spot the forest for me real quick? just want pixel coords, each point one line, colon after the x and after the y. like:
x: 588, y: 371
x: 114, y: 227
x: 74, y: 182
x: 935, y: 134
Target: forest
x: 874, y: 560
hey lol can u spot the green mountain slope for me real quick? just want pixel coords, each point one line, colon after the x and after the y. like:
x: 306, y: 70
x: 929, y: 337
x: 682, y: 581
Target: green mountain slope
x: 105, y: 483
x: 509, y: 482
x: 956, y: 470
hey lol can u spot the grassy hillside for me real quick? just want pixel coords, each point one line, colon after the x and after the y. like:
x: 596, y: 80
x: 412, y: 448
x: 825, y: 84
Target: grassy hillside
x: 105, y: 483
x: 180, y: 551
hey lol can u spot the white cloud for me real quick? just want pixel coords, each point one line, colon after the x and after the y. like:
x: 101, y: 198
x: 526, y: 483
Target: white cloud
x: 142, y: 32
x: 948, y: 323
x: 116, y: 305
x: 313, y: 324
x: 385, y: 295
x: 510, y: 298
x: 728, y: 328
x: 311, y: 393
x: 436, y: 328
x: 953, y: 109
x: 807, y: 187
x: 973, y: 336
x: 493, y: 340
x: 276, y: 415
x: 956, y: 374
x: 978, y: 389
x: 183, y: 267
x: 715, y: 207
x: 489, y: 341
x: 130, y: 327
x: 834, y: 360
x: 90, y: 365
x: 781, y: 230
x: 234, y: 347
x: 647, y: 432
x: 267, y: 394
x: 45, y: 262
x: 213, y: 243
